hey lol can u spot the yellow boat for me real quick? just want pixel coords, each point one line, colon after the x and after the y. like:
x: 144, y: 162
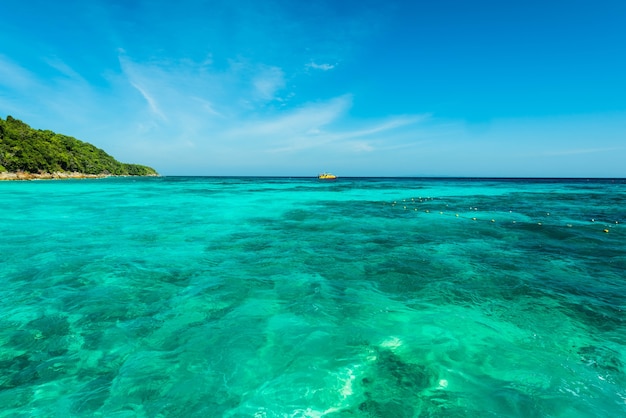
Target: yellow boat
x: 326, y: 176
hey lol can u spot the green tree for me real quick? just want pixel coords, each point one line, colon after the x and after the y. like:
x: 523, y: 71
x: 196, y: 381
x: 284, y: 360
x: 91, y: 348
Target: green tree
x: 23, y: 148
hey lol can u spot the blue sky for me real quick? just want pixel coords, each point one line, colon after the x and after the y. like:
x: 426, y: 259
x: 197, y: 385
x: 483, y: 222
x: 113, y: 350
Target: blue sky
x: 359, y: 88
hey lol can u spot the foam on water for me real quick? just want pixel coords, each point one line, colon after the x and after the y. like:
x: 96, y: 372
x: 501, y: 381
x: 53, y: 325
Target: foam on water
x: 294, y: 298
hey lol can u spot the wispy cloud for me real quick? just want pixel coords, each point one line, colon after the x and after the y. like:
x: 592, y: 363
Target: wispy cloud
x: 323, y: 67
x: 323, y: 125
x: 308, y: 119
x: 208, y: 107
x: 141, y: 80
x: 385, y: 126
x: 64, y: 69
x: 241, y: 116
x: 268, y: 81
x: 14, y: 76
x: 209, y: 117
x: 150, y: 100
x: 62, y: 93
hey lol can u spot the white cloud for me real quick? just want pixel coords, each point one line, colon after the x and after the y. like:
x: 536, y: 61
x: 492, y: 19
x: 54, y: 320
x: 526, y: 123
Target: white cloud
x: 44, y: 101
x: 186, y: 117
x: 150, y: 100
x: 14, y: 76
x: 64, y: 69
x: 208, y: 107
x: 362, y: 146
x: 322, y: 126
x: 267, y: 82
x: 141, y: 78
x: 230, y: 130
x: 308, y: 119
x: 323, y: 67
x: 387, y: 125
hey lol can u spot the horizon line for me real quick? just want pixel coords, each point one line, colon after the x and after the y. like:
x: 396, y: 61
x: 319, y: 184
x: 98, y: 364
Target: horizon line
x: 399, y: 177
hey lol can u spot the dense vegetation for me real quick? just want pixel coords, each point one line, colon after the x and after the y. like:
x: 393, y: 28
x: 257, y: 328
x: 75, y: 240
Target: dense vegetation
x: 23, y: 148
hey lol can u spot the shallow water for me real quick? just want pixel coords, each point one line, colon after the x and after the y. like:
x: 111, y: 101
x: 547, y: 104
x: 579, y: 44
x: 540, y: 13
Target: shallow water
x: 261, y: 297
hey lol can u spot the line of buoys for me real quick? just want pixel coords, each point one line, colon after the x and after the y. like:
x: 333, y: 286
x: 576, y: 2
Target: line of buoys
x: 491, y: 219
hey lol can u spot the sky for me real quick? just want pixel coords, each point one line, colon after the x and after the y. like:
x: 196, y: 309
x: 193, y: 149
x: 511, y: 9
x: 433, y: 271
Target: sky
x: 358, y: 88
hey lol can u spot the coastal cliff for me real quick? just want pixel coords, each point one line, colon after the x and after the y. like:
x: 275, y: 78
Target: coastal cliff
x: 27, y: 154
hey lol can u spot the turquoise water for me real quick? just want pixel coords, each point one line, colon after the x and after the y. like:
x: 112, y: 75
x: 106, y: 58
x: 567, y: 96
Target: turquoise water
x: 248, y: 297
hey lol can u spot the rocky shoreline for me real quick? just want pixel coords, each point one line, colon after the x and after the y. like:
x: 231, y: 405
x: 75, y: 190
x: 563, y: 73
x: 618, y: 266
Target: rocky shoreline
x: 22, y: 175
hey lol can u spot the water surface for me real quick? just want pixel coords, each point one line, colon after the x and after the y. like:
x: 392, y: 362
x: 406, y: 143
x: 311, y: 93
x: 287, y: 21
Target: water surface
x: 278, y: 297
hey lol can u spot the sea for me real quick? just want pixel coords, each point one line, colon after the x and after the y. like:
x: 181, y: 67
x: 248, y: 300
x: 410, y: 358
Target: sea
x: 293, y: 297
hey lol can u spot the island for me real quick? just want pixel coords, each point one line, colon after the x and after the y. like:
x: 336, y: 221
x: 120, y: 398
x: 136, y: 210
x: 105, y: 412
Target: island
x: 27, y: 154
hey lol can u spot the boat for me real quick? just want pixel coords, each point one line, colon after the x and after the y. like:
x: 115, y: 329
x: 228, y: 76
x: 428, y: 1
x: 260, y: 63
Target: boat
x: 326, y: 176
